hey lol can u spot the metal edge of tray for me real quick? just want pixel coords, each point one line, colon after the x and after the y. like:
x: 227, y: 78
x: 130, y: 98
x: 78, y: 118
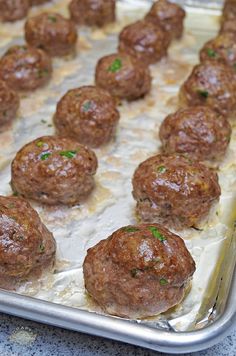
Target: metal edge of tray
x: 122, y: 330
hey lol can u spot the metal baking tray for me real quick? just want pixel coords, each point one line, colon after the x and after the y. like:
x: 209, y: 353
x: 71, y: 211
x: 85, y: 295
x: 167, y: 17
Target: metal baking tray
x: 209, y: 310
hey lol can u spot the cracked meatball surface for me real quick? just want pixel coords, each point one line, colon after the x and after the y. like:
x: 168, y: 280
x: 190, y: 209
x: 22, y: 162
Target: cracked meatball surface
x: 174, y: 190
x: 198, y: 132
x: 27, y: 248
x: 54, y: 170
x: 88, y: 114
x: 123, y: 76
x: 221, y: 49
x: 138, y: 271
x: 13, y: 10
x: 51, y: 32
x: 212, y: 84
x: 169, y: 15
x: 93, y: 12
x: 25, y: 68
x: 9, y: 104
x: 145, y: 41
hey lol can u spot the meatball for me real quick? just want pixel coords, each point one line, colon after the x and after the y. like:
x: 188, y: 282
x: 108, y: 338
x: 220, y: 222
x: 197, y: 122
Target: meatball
x: 211, y: 84
x: 9, y: 104
x: 173, y: 190
x: 13, y: 10
x: 145, y: 41
x: 51, y: 32
x: 93, y: 12
x: 25, y: 68
x: 54, y: 170
x: 198, y: 132
x: 27, y: 248
x: 123, y: 76
x: 229, y: 26
x: 88, y: 114
x: 221, y: 49
x: 138, y: 271
x: 170, y: 16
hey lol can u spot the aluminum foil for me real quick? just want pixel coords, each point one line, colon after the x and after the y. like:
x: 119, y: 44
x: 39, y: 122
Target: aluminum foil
x: 111, y: 205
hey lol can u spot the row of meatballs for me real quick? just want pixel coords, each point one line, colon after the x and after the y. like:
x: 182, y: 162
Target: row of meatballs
x: 88, y: 12
x: 167, y: 188
x: 139, y: 270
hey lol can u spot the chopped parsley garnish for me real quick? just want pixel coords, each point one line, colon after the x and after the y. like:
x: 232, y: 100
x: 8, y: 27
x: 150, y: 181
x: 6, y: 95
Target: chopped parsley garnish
x: 52, y: 18
x: 134, y: 272
x: 203, y: 93
x: 43, y: 121
x: 130, y: 229
x: 43, y: 73
x: 15, y: 194
x: 161, y: 169
x: 11, y: 205
x: 41, y: 248
x: 39, y: 143
x: 68, y: 154
x: 211, y: 53
x: 163, y: 282
x: 156, y: 233
x: 45, y: 156
x: 87, y: 105
x: 115, y: 66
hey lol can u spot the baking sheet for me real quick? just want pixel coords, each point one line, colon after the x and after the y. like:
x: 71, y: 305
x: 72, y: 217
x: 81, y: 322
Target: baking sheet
x: 111, y: 205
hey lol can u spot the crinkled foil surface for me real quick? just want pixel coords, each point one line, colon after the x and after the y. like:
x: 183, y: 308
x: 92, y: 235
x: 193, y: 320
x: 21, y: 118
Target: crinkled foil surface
x: 111, y: 205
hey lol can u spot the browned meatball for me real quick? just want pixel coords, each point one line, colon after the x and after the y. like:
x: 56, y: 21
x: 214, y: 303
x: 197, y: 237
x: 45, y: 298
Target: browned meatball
x: 229, y: 10
x: 54, y: 170
x: 170, y: 16
x: 198, y: 132
x: 88, y: 114
x: 25, y: 68
x: 138, y: 271
x: 51, y: 32
x: 9, y: 104
x: 211, y: 84
x: 13, y: 10
x: 93, y: 12
x: 123, y: 76
x: 27, y: 248
x: 221, y: 49
x: 229, y: 26
x: 173, y: 190
x: 145, y: 41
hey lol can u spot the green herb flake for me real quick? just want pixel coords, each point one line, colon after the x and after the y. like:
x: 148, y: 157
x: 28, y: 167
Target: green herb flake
x: 43, y: 121
x: 45, y: 156
x: 15, y: 194
x: 39, y: 143
x: 130, y: 229
x: 86, y: 106
x: 161, y: 169
x: 52, y: 18
x: 163, y: 282
x: 156, y: 233
x: 134, y: 272
x: 203, y: 93
x: 11, y: 205
x: 43, y: 73
x: 41, y: 248
x: 211, y: 53
x: 68, y: 154
x: 115, y: 66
